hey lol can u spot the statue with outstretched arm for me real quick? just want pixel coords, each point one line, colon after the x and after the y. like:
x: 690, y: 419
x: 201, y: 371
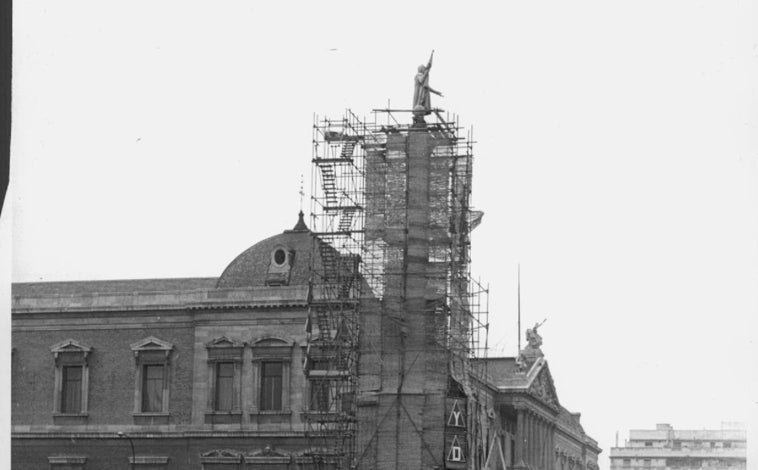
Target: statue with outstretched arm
x: 421, y: 99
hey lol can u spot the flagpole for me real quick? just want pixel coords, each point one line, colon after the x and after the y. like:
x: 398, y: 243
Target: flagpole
x: 518, y: 333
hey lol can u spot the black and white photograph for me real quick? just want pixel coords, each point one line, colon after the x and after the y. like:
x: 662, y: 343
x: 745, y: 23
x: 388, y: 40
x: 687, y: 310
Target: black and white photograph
x: 381, y: 236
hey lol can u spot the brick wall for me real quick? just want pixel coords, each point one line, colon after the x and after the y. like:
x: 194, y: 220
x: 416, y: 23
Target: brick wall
x: 111, y: 367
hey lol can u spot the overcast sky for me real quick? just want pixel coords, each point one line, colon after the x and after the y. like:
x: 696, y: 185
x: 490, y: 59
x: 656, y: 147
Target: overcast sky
x: 616, y: 161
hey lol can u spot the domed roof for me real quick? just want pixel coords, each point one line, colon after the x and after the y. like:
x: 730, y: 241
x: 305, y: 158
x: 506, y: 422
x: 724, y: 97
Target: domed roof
x: 253, y: 267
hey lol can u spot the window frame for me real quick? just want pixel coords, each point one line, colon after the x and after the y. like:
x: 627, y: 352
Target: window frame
x: 270, y: 349
x: 224, y: 350
x: 147, y: 380
x: 224, y: 402
x: 318, y: 390
x: 151, y: 351
x: 271, y: 400
x: 71, y: 353
x: 66, y: 381
x: 278, y: 274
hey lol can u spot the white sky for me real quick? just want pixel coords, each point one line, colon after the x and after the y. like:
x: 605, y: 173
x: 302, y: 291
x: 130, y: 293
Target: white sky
x: 617, y: 161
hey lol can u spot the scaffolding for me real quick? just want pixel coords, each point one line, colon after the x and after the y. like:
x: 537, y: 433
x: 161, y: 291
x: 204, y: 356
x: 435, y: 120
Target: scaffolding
x: 351, y: 262
x: 338, y: 277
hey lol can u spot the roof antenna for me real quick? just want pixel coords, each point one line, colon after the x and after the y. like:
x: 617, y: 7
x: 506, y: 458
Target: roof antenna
x: 518, y: 331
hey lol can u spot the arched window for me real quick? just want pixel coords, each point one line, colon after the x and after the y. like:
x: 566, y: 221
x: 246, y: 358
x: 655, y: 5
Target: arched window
x: 272, y: 358
x: 224, y: 374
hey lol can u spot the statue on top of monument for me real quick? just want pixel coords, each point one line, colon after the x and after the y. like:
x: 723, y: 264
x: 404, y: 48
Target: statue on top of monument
x: 422, y: 104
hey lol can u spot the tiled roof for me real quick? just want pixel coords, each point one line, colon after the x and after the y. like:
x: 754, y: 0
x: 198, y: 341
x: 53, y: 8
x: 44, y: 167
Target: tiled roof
x: 250, y: 268
x: 503, y: 371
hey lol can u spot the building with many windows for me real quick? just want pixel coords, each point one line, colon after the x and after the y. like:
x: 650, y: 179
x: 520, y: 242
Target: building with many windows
x: 180, y: 366
x: 350, y: 344
x: 666, y: 448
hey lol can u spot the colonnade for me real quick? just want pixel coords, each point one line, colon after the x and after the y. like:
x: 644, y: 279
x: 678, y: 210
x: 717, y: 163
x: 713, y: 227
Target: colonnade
x: 535, y: 440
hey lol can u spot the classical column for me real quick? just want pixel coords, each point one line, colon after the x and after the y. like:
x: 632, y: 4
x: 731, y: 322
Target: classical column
x: 546, y: 444
x: 518, y: 455
x: 552, y: 446
x: 530, y: 439
x: 541, y: 462
x: 549, y: 447
x: 543, y: 443
x: 546, y: 448
x: 533, y: 440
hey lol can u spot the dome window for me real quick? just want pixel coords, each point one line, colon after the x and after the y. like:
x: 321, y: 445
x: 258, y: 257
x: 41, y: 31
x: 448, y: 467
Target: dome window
x: 280, y: 257
x: 279, y: 267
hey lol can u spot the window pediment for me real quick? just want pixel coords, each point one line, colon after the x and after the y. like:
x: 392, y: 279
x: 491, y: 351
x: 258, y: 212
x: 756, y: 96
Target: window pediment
x: 267, y: 455
x: 272, y: 348
x: 221, y: 456
x: 224, y: 349
x: 151, y: 343
x: 271, y: 341
x: 70, y: 346
x: 267, y: 451
x: 224, y: 342
x: 151, y: 349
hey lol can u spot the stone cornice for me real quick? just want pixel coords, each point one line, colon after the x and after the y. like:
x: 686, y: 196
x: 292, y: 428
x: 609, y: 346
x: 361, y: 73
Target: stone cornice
x: 255, y: 297
x: 136, y: 434
x: 525, y: 400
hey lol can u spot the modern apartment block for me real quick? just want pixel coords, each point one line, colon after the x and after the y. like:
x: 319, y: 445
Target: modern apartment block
x: 667, y: 448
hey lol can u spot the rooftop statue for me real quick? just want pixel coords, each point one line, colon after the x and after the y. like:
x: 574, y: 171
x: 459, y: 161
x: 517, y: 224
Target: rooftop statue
x: 422, y: 104
x: 531, y: 351
x: 533, y: 337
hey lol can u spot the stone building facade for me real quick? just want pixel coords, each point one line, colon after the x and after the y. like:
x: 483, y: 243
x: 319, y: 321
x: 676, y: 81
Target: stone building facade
x: 207, y: 373
x: 235, y: 372
x: 196, y: 372
x: 666, y: 448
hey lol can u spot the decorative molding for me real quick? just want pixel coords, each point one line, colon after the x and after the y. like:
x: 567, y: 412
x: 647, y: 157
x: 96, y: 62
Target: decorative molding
x: 221, y: 456
x: 272, y: 341
x: 225, y: 342
x: 278, y: 274
x: 151, y: 343
x: 220, y: 351
x: 157, y: 432
x: 148, y: 460
x: 70, y: 346
x: 151, y: 351
x: 70, y: 353
x: 67, y: 460
x: 268, y: 455
x: 542, y: 388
